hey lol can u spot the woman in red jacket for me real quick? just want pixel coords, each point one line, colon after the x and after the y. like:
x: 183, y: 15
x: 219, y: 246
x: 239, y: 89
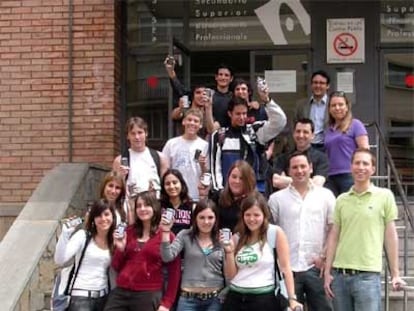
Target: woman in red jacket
x: 137, y: 260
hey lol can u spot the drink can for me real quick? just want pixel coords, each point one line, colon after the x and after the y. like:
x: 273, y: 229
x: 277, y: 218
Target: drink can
x: 226, y: 232
x: 71, y: 223
x: 205, y: 179
x: 170, y: 60
x: 261, y: 83
x: 197, y: 154
x: 120, y: 230
x: 169, y: 214
x: 186, y: 102
x: 124, y: 161
x: 209, y: 92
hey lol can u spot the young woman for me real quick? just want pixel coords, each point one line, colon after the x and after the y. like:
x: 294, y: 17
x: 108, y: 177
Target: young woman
x: 241, y: 181
x: 137, y: 260
x: 113, y: 189
x: 250, y: 261
x: 342, y: 137
x: 90, y: 288
x: 174, y: 194
x: 202, y: 276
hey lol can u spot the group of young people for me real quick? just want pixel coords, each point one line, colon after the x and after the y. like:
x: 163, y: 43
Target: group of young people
x: 188, y: 263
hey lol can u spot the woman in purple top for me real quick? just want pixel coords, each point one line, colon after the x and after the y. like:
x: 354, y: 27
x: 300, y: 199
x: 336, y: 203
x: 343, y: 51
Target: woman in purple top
x: 342, y: 137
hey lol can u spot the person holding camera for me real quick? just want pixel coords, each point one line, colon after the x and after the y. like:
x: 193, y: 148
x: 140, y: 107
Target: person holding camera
x: 90, y: 287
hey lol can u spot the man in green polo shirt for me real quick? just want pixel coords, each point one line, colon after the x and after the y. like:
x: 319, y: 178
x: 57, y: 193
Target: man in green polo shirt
x: 363, y: 222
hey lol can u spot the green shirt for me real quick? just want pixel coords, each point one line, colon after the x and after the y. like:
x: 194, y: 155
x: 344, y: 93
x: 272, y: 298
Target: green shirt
x: 362, y: 218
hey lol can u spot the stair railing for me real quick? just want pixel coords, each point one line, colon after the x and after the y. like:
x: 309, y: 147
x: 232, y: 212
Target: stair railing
x: 392, y: 171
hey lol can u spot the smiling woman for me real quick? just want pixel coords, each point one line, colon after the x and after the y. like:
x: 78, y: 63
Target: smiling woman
x: 139, y: 265
x: 90, y: 287
x: 342, y: 137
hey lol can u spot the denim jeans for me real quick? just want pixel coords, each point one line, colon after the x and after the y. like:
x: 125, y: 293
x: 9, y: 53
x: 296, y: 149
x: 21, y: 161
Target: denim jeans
x: 357, y: 292
x: 309, y: 284
x: 78, y: 303
x: 196, y: 304
x: 250, y: 302
x: 339, y: 183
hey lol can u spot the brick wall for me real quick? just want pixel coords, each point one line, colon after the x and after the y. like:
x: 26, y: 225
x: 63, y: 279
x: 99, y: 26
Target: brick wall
x: 34, y: 101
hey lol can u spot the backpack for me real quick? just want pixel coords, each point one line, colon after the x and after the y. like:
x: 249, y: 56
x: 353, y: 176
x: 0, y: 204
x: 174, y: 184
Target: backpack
x: 155, y: 156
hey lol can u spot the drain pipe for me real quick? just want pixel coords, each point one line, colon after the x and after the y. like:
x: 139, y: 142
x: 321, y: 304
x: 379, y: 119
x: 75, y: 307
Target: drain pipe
x: 70, y: 82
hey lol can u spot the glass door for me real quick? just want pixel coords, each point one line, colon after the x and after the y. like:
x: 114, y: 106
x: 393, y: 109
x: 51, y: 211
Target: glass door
x: 397, y: 118
x: 287, y: 74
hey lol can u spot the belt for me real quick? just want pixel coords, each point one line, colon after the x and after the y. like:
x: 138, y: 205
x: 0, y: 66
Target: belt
x: 318, y: 145
x: 201, y: 296
x: 350, y: 271
x: 89, y: 293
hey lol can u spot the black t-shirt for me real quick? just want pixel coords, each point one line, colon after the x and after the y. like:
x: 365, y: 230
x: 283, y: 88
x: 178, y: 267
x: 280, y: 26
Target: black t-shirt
x: 220, y: 106
x: 182, y: 216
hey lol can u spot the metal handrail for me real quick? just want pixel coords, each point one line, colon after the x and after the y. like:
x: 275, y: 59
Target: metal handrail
x: 408, y: 217
x: 394, y: 172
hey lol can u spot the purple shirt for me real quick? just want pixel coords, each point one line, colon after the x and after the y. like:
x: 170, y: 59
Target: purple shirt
x: 340, y: 146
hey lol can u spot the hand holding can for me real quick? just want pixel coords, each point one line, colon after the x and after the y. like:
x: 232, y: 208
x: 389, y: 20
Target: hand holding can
x: 226, y: 234
x: 169, y: 215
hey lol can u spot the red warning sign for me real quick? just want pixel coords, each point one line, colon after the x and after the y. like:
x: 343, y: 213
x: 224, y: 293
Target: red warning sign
x: 345, y: 44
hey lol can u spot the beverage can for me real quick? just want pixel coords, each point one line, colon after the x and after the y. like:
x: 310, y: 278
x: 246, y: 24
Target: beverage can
x: 197, y: 154
x: 170, y: 60
x: 226, y: 232
x: 209, y: 92
x: 261, y: 83
x: 120, y: 230
x: 124, y: 161
x: 186, y: 102
x: 169, y: 214
x: 205, y: 179
x: 71, y: 223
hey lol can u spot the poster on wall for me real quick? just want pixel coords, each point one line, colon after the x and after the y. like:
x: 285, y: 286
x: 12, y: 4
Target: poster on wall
x: 345, y: 40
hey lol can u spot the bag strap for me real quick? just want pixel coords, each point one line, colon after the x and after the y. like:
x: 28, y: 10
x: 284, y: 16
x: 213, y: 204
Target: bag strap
x: 271, y: 238
x: 72, y: 280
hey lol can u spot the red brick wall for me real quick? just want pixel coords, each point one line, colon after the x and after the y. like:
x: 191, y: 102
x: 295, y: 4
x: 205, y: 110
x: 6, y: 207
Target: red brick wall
x: 34, y: 62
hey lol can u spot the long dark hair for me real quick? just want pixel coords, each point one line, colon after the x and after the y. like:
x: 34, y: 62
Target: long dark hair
x: 150, y: 199
x: 254, y: 199
x: 184, y: 197
x: 201, y: 206
x: 96, y: 209
x: 116, y: 177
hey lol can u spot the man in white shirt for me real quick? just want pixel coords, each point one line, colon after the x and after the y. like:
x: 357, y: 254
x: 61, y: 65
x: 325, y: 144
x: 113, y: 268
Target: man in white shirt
x: 305, y: 213
x: 188, y: 153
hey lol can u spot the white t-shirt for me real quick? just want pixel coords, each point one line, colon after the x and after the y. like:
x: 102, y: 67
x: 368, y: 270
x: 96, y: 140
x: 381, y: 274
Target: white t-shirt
x: 256, y: 267
x: 180, y: 153
x: 92, y: 273
x: 143, y: 170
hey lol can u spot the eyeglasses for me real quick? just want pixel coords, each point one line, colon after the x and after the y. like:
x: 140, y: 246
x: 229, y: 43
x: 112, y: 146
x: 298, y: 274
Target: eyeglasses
x: 319, y: 82
x: 338, y: 94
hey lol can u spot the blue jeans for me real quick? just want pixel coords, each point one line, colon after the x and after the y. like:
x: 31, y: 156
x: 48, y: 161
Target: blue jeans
x: 339, y: 183
x: 358, y: 292
x: 196, y: 304
x: 310, y: 284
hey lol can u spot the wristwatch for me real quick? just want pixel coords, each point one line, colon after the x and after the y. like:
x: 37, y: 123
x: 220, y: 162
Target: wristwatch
x: 293, y: 297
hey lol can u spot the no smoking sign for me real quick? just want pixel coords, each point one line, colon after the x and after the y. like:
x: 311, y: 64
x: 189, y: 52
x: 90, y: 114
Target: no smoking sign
x: 345, y: 40
x: 345, y: 44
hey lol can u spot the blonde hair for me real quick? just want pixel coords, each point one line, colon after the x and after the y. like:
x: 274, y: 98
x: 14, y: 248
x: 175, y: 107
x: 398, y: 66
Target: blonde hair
x: 344, y: 124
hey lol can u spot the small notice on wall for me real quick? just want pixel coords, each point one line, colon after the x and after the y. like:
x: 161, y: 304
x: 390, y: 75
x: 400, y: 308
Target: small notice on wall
x: 345, y: 40
x: 281, y: 81
x: 345, y: 81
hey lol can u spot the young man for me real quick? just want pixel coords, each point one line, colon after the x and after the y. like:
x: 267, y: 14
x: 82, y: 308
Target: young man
x: 221, y: 96
x: 243, y: 141
x: 305, y: 213
x: 303, y: 135
x: 182, y: 151
x: 145, y: 165
x: 200, y: 101
x: 363, y: 222
x: 316, y: 108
